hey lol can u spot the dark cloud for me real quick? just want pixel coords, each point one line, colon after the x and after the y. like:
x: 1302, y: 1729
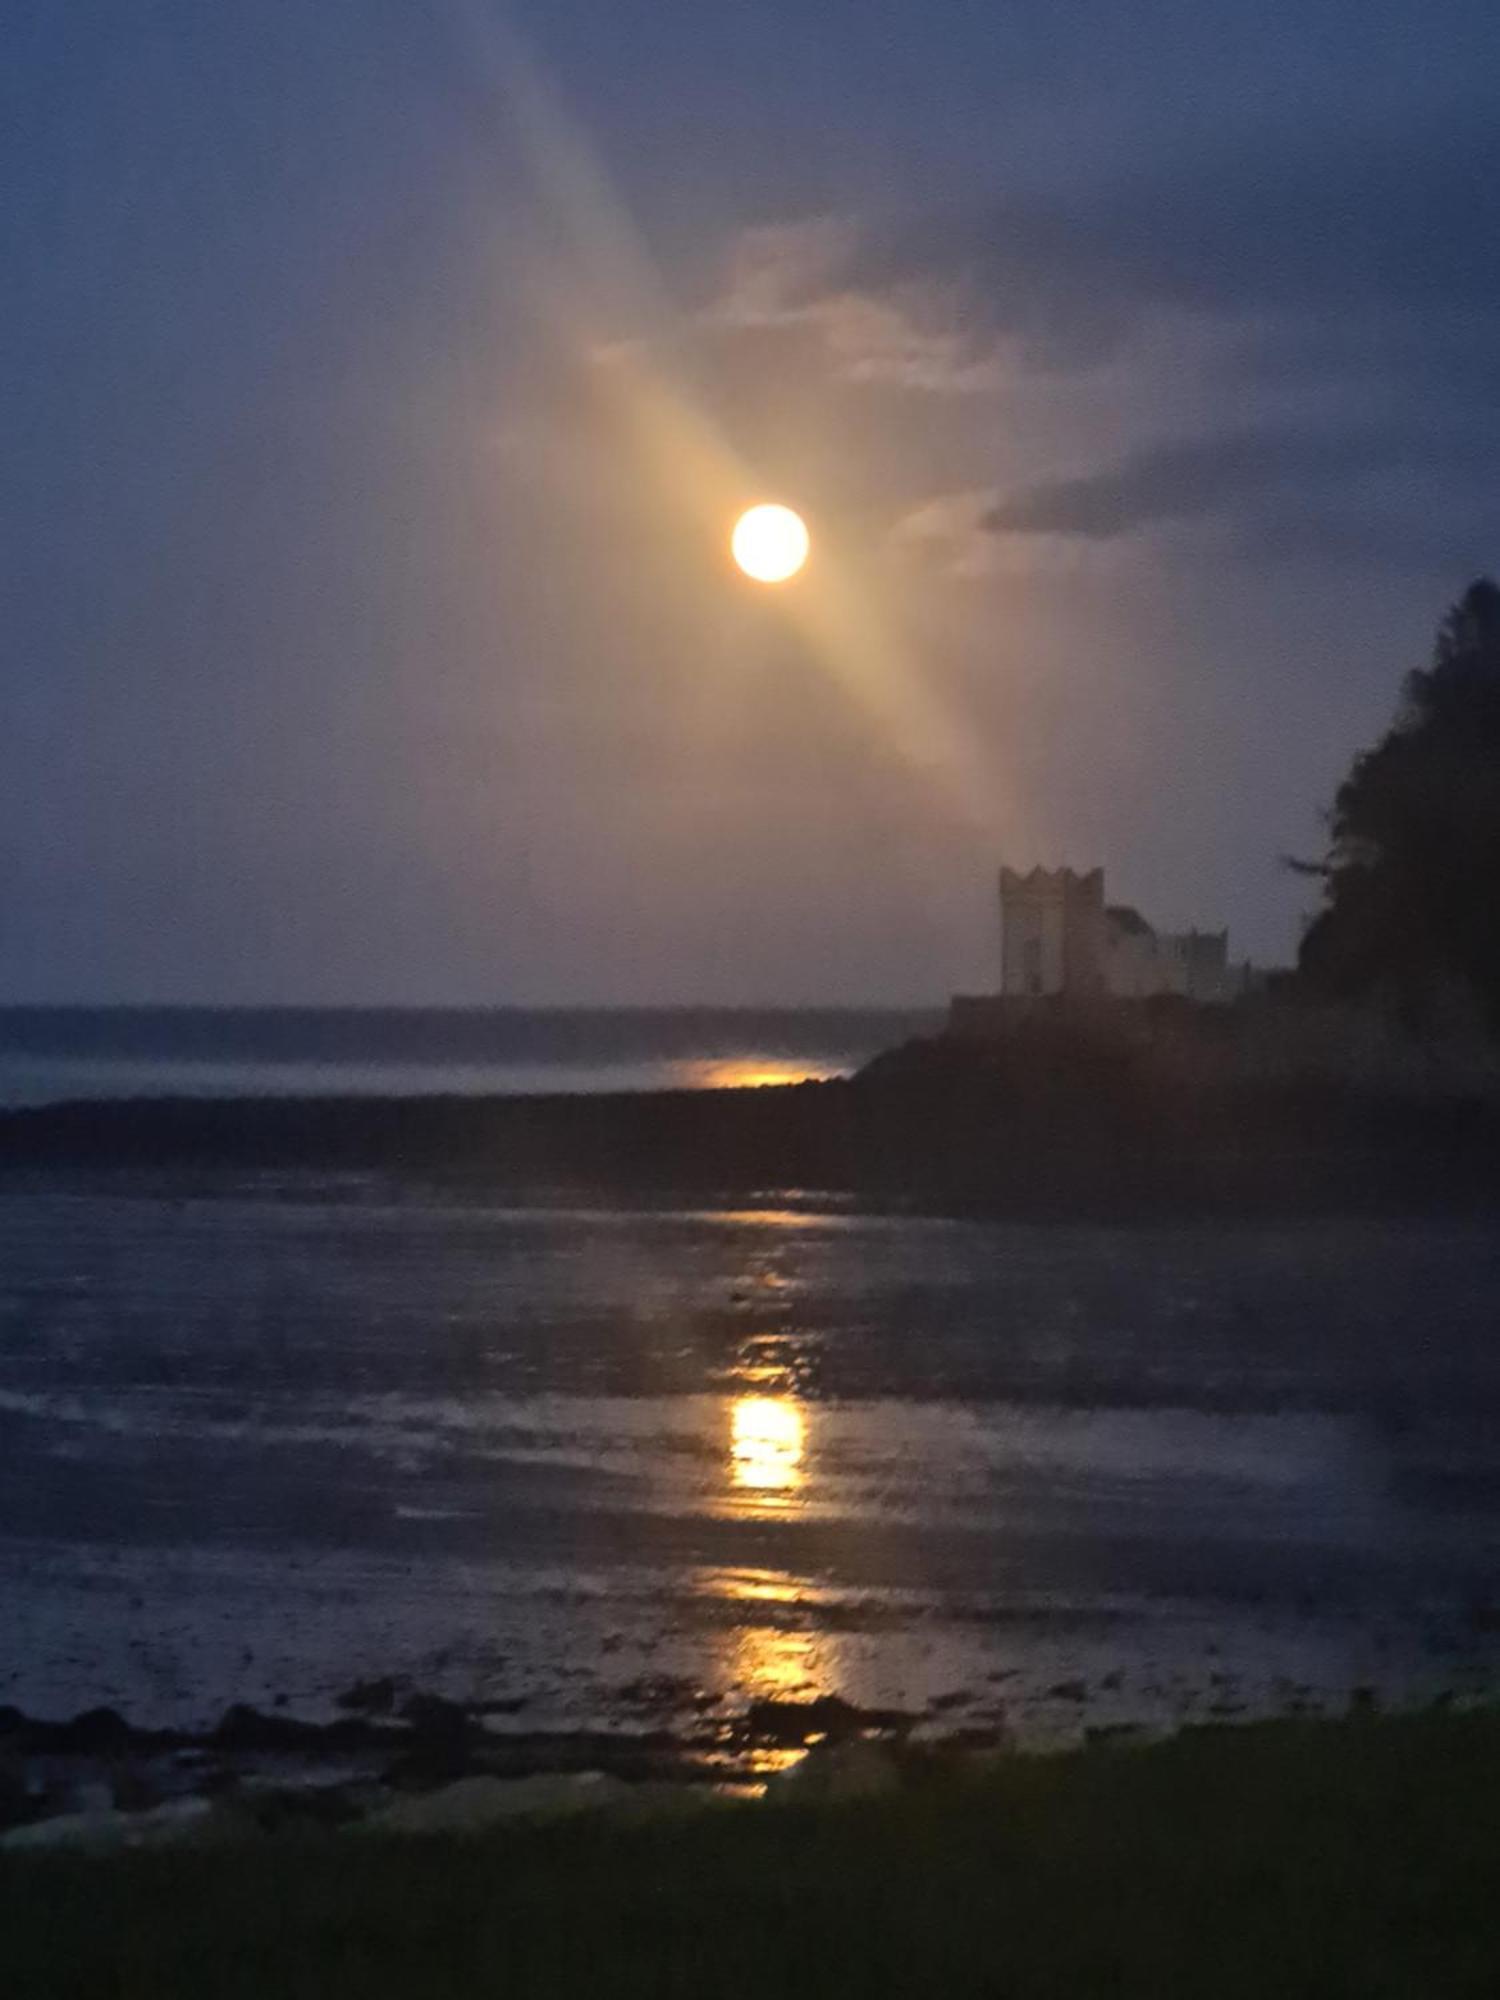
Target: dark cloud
x: 1198, y: 477
x: 1334, y: 297
x: 1376, y: 222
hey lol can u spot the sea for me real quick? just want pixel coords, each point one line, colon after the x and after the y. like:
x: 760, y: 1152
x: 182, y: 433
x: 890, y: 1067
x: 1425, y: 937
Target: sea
x: 52, y: 1054
x: 264, y: 1436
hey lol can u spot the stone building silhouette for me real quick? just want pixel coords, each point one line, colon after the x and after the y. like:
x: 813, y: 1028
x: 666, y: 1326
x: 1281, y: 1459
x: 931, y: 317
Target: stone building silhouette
x: 1059, y: 938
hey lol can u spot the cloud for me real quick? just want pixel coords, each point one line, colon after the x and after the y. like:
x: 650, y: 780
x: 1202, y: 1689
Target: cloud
x: 950, y: 533
x: 1370, y: 240
x: 1179, y: 480
x: 1374, y: 220
x: 789, y: 276
x: 1246, y: 474
x: 1295, y: 345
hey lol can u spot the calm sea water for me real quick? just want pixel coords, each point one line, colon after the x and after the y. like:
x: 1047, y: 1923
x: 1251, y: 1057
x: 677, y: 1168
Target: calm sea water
x: 51, y: 1054
x: 262, y: 1438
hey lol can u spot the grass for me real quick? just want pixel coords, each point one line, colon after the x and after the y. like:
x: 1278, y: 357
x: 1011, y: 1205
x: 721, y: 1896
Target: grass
x: 1317, y: 1859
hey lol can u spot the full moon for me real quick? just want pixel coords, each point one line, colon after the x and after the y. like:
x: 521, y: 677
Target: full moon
x: 770, y: 543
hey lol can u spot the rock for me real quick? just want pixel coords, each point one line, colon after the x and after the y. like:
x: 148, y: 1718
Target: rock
x: 178, y: 1822
x: 16, y: 1800
x: 246, y: 1730
x: 97, y: 1732
x: 84, y: 1832
x: 377, y: 1697
x: 346, y: 1805
x: 189, y: 1822
x: 89, y: 1795
x: 979, y: 1739
x: 657, y: 1691
x: 274, y: 1807
x: 429, y: 1765
x: 1105, y: 1734
x: 432, y: 1716
x: 838, y: 1771
x: 133, y: 1789
x: 439, y: 1745
x: 472, y: 1804
x: 790, y: 1723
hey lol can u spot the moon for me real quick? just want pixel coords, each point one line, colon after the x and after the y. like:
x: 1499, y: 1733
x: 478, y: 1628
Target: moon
x: 770, y: 542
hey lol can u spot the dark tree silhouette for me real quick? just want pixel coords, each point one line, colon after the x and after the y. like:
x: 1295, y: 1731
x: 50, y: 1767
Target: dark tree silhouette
x: 1412, y: 876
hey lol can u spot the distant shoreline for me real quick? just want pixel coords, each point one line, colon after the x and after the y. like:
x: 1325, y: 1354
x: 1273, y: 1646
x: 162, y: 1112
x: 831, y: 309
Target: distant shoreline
x: 932, y: 1129
x: 63, y: 1055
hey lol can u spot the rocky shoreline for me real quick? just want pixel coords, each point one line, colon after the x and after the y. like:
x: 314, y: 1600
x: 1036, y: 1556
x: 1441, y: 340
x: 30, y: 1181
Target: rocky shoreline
x: 421, y: 1763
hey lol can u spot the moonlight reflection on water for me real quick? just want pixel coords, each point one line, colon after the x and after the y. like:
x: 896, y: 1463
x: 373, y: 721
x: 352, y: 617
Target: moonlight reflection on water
x: 270, y: 1437
x: 767, y: 1442
x: 773, y: 1650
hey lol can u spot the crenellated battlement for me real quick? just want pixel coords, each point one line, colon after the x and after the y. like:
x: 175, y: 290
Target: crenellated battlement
x: 1059, y: 937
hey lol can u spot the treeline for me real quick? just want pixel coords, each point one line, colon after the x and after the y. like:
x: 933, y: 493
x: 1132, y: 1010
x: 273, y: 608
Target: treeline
x: 1410, y: 919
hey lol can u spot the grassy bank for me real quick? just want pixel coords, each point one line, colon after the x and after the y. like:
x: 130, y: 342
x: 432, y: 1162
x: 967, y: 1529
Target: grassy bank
x: 1354, y: 1858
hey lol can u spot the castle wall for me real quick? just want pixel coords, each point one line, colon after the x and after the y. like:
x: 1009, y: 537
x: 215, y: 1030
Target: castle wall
x: 1083, y: 955
x: 1057, y: 937
x: 1052, y: 932
x: 1196, y: 965
x: 1133, y: 964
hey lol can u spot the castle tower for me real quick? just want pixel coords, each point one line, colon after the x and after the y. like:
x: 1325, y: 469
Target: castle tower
x: 1052, y: 932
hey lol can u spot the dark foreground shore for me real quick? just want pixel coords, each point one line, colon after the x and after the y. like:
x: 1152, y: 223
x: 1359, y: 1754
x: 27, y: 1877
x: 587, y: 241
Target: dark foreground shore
x: 1058, y: 1120
x: 1300, y: 1859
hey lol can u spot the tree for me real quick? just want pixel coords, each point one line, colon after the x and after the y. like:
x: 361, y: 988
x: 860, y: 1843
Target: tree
x: 1411, y: 908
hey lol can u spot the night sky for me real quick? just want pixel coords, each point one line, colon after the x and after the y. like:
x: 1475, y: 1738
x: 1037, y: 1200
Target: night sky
x: 382, y: 379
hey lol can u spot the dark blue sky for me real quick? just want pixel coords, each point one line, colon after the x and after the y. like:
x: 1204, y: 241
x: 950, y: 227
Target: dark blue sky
x: 381, y: 378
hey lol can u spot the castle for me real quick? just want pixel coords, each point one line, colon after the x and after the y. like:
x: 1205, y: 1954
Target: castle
x: 1059, y: 938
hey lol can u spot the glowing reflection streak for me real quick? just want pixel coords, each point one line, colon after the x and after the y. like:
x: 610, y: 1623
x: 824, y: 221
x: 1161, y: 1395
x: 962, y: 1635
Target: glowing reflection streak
x: 768, y: 1658
x: 768, y: 1436
x: 755, y: 1072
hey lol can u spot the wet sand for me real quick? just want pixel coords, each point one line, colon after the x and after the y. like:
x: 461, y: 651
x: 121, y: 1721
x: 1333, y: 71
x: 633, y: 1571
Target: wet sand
x: 263, y: 1439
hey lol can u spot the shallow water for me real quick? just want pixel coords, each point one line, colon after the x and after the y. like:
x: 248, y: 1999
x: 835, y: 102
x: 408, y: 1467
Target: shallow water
x: 262, y: 1438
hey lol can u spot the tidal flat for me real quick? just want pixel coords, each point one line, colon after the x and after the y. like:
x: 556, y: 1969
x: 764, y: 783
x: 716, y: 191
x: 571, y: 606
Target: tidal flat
x: 264, y: 1438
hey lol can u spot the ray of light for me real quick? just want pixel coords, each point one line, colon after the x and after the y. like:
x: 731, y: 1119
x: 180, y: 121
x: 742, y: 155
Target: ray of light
x: 611, y: 282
